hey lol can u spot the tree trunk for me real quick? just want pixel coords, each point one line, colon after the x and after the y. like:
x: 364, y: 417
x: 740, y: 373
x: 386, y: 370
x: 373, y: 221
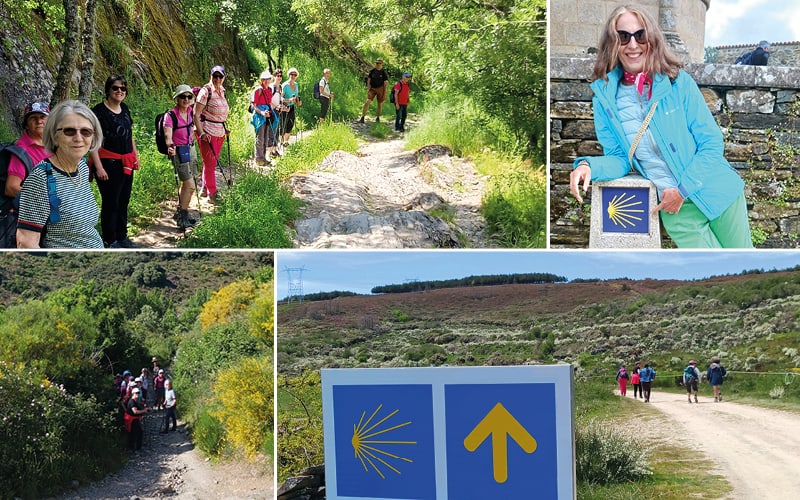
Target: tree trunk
x: 70, y: 50
x: 87, y: 55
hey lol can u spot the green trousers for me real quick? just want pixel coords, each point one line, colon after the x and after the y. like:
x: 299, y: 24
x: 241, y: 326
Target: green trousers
x: 689, y: 228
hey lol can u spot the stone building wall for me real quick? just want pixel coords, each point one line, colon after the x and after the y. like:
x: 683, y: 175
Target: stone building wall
x: 575, y: 25
x: 780, y: 53
x: 757, y: 108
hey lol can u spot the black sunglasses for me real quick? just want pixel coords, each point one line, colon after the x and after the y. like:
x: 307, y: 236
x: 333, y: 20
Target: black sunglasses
x: 217, y: 75
x: 71, y: 131
x: 186, y: 96
x: 625, y: 37
x: 117, y: 88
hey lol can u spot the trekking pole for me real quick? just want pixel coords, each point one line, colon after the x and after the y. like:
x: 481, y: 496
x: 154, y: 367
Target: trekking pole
x: 219, y: 165
x: 230, y: 167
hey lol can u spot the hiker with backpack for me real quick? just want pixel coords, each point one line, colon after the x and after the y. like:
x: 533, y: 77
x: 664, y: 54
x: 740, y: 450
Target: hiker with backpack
x: 622, y: 379
x: 263, y: 118
x: 135, y: 410
x: 56, y: 205
x: 636, y: 381
x: 16, y: 167
x: 210, y: 113
x: 377, y: 84
x: 691, y: 377
x: 647, y: 375
x: 400, y: 98
x: 650, y: 117
x: 115, y: 162
x: 716, y: 375
x: 756, y: 57
x: 325, y: 95
x: 291, y: 99
x: 178, y: 137
x: 278, y: 108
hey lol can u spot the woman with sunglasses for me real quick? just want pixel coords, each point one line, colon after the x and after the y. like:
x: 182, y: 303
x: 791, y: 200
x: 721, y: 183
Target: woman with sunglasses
x: 291, y: 98
x: 640, y: 90
x: 57, y: 207
x: 178, y: 125
x: 210, y: 112
x: 115, y: 162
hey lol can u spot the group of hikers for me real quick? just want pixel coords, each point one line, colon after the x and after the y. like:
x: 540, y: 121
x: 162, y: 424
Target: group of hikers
x: 642, y: 379
x: 47, y: 201
x: 140, y: 394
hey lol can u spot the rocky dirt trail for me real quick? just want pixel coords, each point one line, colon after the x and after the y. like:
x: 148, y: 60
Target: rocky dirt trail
x: 168, y: 466
x: 756, y: 449
x: 384, y: 197
x: 381, y: 197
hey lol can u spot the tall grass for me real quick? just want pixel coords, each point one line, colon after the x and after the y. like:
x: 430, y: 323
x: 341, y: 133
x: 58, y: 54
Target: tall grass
x: 305, y: 155
x: 515, y: 208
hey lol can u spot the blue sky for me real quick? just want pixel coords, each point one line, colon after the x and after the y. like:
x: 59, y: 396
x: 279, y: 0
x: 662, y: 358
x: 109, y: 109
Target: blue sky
x: 733, y: 22
x: 360, y: 271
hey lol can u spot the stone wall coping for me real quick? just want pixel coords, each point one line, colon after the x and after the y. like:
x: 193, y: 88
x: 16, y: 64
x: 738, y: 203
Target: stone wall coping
x: 716, y: 75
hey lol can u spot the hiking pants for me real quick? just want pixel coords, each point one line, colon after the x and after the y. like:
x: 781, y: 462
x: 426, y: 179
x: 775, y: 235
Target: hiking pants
x: 646, y: 390
x: 400, y: 118
x: 135, y: 436
x: 690, y: 228
x: 637, y: 390
x: 325, y: 102
x: 170, y: 415
x: 116, y: 195
x: 623, y: 387
x: 210, y: 153
x: 265, y: 138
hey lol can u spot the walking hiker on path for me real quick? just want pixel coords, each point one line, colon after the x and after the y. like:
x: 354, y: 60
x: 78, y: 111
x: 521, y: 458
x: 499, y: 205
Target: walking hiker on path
x: 716, y: 375
x: 647, y: 375
x: 637, y: 78
x: 401, y: 92
x: 691, y: 377
x: 56, y: 206
x: 135, y: 410
x: 210, y: 112
x: 325, y: 94
x: 178, y: 125
x: 262, y: 119
x: 291, y: 99
x: 115, y: 162
x: 637, y: 383
x: 377, y: 84
x: 33, y: 120
x: 622, y: 380
x: 169, y: 403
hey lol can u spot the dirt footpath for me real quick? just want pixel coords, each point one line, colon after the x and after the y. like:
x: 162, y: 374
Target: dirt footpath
x: 168, y: 466
x: 756, y: 449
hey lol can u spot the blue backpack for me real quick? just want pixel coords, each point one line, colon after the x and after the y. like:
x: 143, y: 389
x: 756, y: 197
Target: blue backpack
x: 317, y: 94
x: 745, y: 58
x: 689, y: 373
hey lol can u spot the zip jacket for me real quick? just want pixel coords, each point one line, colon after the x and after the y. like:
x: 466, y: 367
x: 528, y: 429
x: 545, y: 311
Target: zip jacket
x: 685, y: 134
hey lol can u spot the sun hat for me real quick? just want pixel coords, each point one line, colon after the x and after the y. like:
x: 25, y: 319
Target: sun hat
x: 180, y: 89
x: 293, y: 70
x: 266, y: 75
x: 135, y: 390
x: 407, y: 74
x: 218, y: 69
x: 137, y: 379
x: 36, y: 107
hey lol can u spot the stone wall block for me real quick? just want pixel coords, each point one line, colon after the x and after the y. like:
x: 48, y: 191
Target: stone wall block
x: 582, y: 110
x: 750, y: 101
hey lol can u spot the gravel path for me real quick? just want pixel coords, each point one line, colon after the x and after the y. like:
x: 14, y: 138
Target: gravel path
x: 168, y: 466
x: 756, y: 449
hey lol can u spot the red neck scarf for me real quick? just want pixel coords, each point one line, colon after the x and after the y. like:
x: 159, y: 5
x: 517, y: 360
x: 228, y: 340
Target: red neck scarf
x: 640, y: 80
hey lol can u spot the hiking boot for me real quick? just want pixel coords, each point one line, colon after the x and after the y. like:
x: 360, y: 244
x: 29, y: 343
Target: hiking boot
x: 716, y: 400
x: 361, y: 120
x: 720, y: 397
x: 690, y: 400
x: 185, y: 221
x: 695, y: 398
x: 377, y: 119
x: 127, y: 243
x: 115, y: 244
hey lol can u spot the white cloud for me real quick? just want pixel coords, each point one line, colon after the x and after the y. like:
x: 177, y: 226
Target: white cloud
x: 732, y: 22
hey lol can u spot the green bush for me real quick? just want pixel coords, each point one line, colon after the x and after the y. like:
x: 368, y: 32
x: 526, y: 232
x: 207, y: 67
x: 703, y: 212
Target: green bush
x: 515, y: 208
x: 607, y: 454
x: 208, y: 433
x: 49, y: 437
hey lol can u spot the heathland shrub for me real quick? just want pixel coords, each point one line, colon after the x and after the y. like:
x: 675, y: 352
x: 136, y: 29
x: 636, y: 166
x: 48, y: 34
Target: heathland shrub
x: 607, y: 454
x: 48, y: 437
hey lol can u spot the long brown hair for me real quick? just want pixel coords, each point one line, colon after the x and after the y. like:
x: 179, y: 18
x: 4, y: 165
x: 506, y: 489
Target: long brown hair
x: 658, y: 56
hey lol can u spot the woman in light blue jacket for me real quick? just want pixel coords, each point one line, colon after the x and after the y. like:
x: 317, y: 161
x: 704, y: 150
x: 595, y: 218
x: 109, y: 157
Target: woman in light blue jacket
x: 701, y: 197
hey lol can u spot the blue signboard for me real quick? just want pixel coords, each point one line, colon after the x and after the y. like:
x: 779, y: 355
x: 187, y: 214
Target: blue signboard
x: 438, y: 433
x: 625, y: 210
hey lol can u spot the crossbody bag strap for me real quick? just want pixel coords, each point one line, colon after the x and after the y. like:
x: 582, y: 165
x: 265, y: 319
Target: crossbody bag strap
x: 641, y: 132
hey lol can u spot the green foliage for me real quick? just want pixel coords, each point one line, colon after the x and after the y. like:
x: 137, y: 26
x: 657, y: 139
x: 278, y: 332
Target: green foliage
x: 515, y: 208
x: 482, y: 280
x: 609, y: 454
x: 314, y: 148
x: 299, y: 424
x: 253, y: 214
x: 208, y: 433
x: 49, y: 437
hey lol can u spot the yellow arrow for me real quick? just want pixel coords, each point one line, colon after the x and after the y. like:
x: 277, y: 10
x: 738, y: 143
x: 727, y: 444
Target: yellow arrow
x: 500, y: 424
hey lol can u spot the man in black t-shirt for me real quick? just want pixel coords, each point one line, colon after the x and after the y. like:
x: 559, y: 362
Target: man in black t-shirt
x: 377, y: 83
